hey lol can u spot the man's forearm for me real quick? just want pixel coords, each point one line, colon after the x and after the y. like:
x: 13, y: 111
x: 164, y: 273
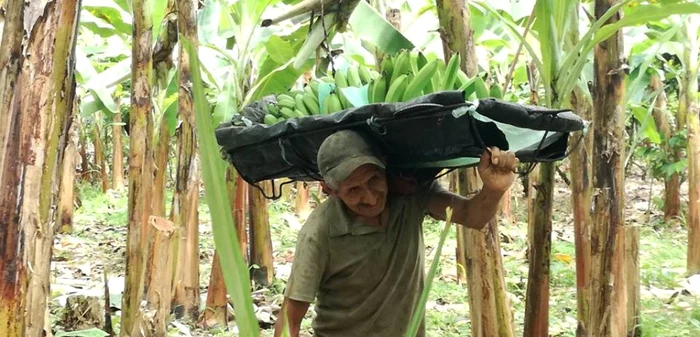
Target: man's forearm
x: 479, y: 210
x: 295, y: 311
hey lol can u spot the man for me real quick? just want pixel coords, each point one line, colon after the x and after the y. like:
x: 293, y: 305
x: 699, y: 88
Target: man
x: 360, y: 254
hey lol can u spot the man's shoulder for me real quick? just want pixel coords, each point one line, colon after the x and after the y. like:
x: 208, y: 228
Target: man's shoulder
x: 317, y: 225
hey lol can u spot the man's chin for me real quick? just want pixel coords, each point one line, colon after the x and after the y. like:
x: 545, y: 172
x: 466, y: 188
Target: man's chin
x: 372, y: 211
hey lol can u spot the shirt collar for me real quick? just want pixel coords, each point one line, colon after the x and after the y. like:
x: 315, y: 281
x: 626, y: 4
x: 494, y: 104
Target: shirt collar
x: 342, y: 223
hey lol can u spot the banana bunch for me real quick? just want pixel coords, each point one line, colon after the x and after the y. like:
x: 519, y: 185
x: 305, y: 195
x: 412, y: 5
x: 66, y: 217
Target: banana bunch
x: 293, y: 104
x: 409, y: 75
x: 306, y: 103
x: 402, y: 77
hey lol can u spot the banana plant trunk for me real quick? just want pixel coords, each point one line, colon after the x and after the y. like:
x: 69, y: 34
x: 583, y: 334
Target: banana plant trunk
x: 581, y: 191
x: 688, y: 111
x: 215, y: 312
x: 36, y: 102
x: 480, y: 251
x: 672, y: 183
x: 608, y: 315
x: 117, y: 156
x: 99, y: 153
x: 84, y: 159
x: 159, y: 280
x: 186, y: 197
x: 140, y: 164
x: 67, y: 187
x: 460, y: 257
x: 13, y: 284
x: 260, y: 238
x: 458, y: 37
x: 161, y: 167
x: 162, y: 64
x: 539, y: 249
x: 489, y: 306
x: 301, y: 201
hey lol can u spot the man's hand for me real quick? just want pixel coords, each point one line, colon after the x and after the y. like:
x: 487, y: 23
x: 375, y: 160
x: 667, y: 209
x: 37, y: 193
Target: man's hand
x: 497, y: 169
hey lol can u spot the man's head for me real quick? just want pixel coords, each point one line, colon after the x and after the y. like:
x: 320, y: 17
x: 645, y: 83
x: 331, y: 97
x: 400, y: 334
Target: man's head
x: 353, y: 172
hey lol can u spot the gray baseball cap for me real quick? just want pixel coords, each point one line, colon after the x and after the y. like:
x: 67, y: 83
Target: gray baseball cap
x: 343, y: 152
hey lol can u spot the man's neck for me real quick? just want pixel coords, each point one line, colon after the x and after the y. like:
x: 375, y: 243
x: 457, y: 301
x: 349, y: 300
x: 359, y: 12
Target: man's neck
x: 380, y: 220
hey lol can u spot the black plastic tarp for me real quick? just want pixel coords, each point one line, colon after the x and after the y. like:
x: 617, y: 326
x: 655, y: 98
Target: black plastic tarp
x: 430, y: 133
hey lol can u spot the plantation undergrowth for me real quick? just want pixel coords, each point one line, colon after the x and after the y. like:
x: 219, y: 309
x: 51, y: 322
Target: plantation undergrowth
x: 670, y: 301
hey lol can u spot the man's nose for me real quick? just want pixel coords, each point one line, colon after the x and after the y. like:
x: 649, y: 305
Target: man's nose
x: 369, y: 197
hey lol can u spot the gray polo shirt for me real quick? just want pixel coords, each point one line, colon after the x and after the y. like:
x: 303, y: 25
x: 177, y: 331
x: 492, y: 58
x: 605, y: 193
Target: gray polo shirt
x: 366, y: 280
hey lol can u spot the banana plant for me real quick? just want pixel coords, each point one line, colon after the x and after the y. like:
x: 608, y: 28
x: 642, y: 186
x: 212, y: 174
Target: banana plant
x: 576, y: 58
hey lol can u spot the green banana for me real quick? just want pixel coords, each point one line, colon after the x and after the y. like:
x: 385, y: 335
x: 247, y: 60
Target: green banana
x: 397, y: 89
x: 288, y: 113
x: 402, y: 65
x: 419, y: 82
x: 345, y: 103
x: 273, y: 109
x: 468, y: 87
x: 496, y: 91
x: 286, y: 103
x: 387, y: 67
x: 340, y: 80
x: 470, y: 97
x: 311, y: 104
x: 365, y: 75
x: 284, y: 97
x: 327, y: 79
x: 270, y: 119
x: 451, y: 72
x: 379, y: 90
x: 480, y: 88
x: 370, y: 90
x: 415, y: 67
x: 314, y: 87
x: 461, y: 78
x: 308, y: 90
x: 354, y: 77
x: 332, y: 104
x: 299, y: 105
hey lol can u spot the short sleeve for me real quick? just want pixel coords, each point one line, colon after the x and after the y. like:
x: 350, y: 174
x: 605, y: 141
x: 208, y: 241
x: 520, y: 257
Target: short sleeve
x: 424, y: 194
x: 309, y: 264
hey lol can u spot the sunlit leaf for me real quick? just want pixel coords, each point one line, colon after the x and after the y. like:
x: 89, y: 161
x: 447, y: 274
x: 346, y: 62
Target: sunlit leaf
x: 643, y: 14
x: 372, y: 27
x: 225, y: 238
x: 419, y: 311
x: 159, y: 8
x: 279, y: 50
x: 226, y: 101
x: 110, y: 13
x: 208, y: 23
x: 280, y: 80
x: 646, y: 121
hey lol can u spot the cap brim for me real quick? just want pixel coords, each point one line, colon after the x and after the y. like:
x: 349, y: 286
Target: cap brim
x: 343, y: 171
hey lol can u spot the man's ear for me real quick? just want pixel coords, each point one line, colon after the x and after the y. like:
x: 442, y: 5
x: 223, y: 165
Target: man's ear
x: 326, y: 189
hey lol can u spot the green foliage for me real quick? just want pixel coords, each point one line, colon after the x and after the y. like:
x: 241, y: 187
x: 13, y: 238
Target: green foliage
x: 94, y: 332
x: 236, y: 278
x: 664, y: 164
x: 419, y: 311
x: 100, y: 208
x: 373, y: 28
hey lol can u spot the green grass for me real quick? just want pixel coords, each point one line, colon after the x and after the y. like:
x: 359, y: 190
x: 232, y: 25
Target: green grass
x: 662, y: 263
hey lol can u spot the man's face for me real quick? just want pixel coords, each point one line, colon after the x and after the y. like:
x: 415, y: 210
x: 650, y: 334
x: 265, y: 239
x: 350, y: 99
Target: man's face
x: 364, y: 191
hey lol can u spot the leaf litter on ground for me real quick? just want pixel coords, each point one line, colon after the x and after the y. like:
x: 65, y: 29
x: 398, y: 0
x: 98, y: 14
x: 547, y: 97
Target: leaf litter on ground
x: 98, y: 243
